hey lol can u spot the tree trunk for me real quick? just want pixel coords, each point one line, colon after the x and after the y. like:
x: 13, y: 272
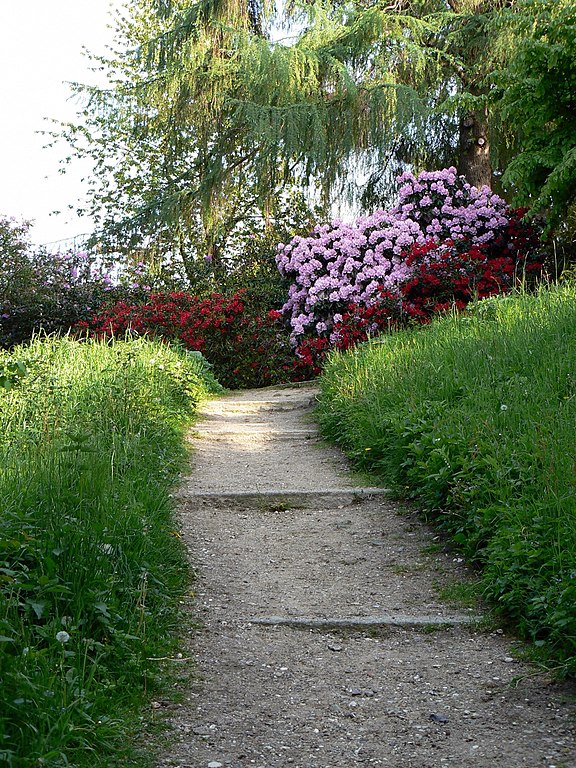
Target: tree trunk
x: 214, y: 258
x: 187, y: 262
x: 474, y: 155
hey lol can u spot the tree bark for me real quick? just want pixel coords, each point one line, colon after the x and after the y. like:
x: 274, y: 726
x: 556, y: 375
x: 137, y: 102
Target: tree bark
x: 474, y: 154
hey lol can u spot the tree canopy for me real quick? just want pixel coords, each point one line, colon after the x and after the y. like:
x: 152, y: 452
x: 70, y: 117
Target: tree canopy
x: 215, y: 107
x: 538, y: 98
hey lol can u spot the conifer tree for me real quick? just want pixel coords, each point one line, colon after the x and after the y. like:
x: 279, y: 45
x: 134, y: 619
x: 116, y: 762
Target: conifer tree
x: 215, y: 107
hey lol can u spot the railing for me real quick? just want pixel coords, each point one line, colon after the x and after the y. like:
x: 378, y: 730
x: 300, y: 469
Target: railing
x: 76, y: 243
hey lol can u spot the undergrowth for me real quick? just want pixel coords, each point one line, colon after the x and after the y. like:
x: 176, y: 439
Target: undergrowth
x: 91, y: 568
x: 474, y: 417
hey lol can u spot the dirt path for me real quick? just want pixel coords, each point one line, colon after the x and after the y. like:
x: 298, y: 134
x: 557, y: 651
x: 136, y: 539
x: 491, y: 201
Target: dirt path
x: 324, y: 643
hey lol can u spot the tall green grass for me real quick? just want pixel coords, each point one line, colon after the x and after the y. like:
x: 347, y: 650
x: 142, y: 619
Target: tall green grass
x: 91, y: 567
x: 474, y: 417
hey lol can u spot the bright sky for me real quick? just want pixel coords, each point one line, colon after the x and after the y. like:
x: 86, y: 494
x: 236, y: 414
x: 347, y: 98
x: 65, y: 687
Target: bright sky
x: 41, y: 45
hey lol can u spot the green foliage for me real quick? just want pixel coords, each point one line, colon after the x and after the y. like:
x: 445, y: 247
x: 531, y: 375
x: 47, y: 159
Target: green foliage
x: 11, y: 371
x: 254, y: 271
x: 473, y: 417
x: 246, y: 347
x: 214, y: 110
x: 269, y: 105
x: 211, y: 115
x: 90, y: 566
x: 150, y: 165
x: 249, y: 260
x: 537, y: 97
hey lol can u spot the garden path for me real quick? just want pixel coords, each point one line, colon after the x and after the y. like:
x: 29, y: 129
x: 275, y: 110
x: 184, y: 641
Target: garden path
x: 322, y: 641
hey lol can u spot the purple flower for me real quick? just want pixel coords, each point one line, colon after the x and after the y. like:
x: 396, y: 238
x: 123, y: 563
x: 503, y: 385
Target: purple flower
x: 341, y: 263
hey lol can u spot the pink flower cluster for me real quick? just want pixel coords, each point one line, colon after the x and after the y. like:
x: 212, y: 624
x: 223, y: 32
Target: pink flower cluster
x: 342, y: 264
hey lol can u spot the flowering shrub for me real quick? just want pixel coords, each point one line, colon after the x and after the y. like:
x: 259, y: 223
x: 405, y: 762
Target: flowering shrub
x: 443, y: 244
x: 445, y: 277
x: 358, y: 322
x: 355, y: 324
x: 244, y: 348
x: 342, y: 264
x: 445, y: 206
x: 53, y: 291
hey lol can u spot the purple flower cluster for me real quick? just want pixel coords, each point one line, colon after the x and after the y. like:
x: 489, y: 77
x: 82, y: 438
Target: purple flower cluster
x: 446, y: 207
x: 341, y: 264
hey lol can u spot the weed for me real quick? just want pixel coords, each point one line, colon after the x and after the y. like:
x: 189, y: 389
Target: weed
x: 462, y: 594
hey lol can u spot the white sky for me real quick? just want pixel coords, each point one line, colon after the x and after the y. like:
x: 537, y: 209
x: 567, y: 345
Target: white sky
x: 41, y: 45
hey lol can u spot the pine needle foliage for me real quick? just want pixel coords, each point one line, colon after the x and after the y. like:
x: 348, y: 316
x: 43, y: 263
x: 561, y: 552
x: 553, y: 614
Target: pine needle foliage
x: 208, y: 107
x: 346, y: 85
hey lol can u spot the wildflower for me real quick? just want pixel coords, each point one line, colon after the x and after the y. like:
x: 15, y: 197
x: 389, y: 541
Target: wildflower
x: 62, y: 637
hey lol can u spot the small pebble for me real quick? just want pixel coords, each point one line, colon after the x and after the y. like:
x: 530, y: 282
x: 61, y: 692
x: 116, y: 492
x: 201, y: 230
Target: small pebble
x: 214, y: 764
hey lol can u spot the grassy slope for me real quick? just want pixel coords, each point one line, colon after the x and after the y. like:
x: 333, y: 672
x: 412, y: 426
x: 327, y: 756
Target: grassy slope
x: 474, y: 417
x: 90, y: 568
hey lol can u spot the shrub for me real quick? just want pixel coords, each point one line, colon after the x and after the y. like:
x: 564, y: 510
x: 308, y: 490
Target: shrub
x: 446, y: 275
x: 244, y: 348
x: 446, y: 207
x: 54, y: 291
x: 339, y: 264
x: 443, y: 244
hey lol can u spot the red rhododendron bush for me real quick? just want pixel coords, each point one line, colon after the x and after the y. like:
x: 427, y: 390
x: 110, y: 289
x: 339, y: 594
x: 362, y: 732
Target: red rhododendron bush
x: 246, y: 349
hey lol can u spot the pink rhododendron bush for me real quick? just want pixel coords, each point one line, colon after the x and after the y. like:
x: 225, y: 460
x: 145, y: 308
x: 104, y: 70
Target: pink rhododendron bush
x: 443, y: 244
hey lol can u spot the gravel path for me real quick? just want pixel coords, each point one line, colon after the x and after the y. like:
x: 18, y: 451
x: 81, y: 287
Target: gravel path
x: 323, y: 643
